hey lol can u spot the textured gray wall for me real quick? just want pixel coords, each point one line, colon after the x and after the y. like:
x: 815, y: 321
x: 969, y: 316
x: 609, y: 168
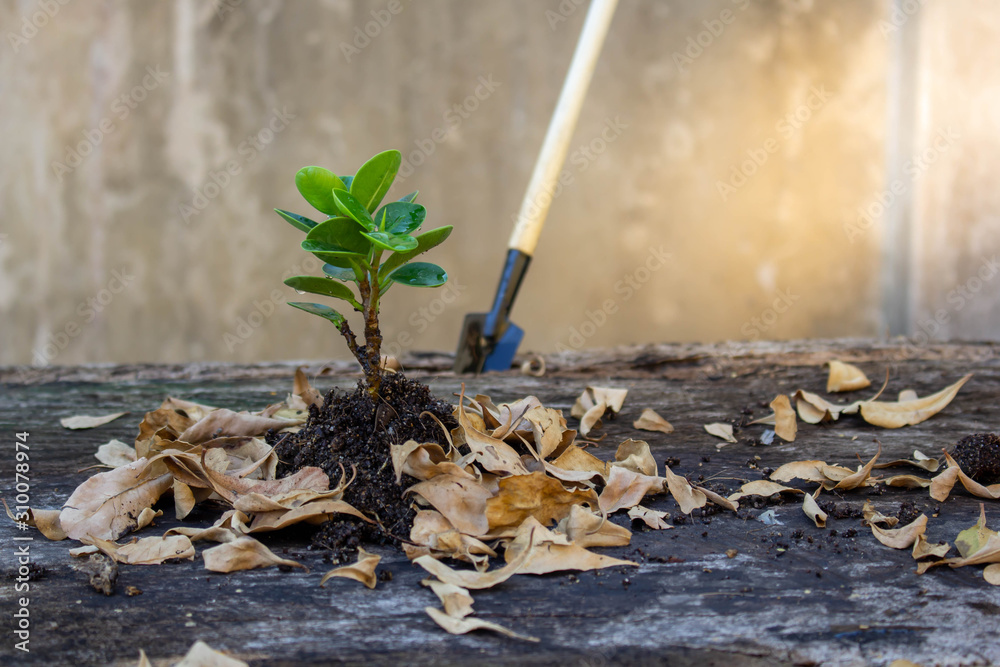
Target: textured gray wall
x: 165, y: 97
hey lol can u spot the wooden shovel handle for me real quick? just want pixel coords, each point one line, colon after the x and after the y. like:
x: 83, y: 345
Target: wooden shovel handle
x: 538, y: 197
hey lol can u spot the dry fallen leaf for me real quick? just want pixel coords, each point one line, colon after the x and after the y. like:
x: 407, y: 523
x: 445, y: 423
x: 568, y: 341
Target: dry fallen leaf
x: 587, y: 529
x: 812, y: 510
x: 491, y: 453
x: 762, y: 487
x: 107, y: 504
x: 901, y: 538
x: 547, y: 551
x: 223, y: 422
x: 460, y: 626
x: 46, y: 521
x: 992, y: 574
x: 115, y: 454
x: 203, y: 655
x: 536, y: 495
x: 924, y: 549
x: 244, y: 553
x: 907, y: 481
x: 907, y: 413
x: 919, y: 460
x: 148, y: 550
x: 650, y: 421
x: 591, y: 419
x: 873, y: 516
x: 363, y: 570
x: 462, y: 501
x: 635, y: 455
x: 456, y: 600
x: 784, y: 418
x: 612, y: 398
x: 143, y: 660
x: 83, y: 421
x: 809, y: 471
x: 942, y: 485
x: 471, y: 579
x: 652, y: 518
x: 845, y: 377
x: 719, y: 430
x: 626, y: 488
x: 861, y: 477
x: 305, y: 391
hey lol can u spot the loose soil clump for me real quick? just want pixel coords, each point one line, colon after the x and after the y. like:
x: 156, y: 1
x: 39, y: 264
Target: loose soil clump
x: 979, y: 457
x: 354, y: 430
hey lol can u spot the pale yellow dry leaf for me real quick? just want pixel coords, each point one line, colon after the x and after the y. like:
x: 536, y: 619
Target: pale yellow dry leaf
x: 762, y: 487
x: 845, y: 377
x: 460, y: 500
x: 315, y: 512
x: 143, y: 660
x: 652, y: 518
x: 903, y: 537
x: 226, y: 423
x: 460, y: 626
x: 907, y: 413
x: 814, y: 409
x: 907, y: 395
x: 210, y: 534
x: 46, y: 521
x: 548, y: 428
x: 924, y: 549
x: 591, y: 419
x: 433, y: 535
x: 575, y: 458
x: 719, y: 430
x: 83, y: 421
x: 942, y: 485
x: 107, y: 504
x: 809, y: 471
x: 548, y: 551
x: 203, y: 655
x: 305, y: 391
x: 535, y: 366
x: 992, y: 574
x: 492, y: 454
x: 115, y: 453
x: 231, y: 486
x: 907, y: 482
x: 244, y: 553
x: 635, y: 455
x: 873, y: 516
x: 785, y: 426
x: 184, y: 500
x: 612, y: 398
x: 715, y: 498
x: 861, y: 477
x: 471, y: 579
x: 626, y: 488
x: 649, y: 420
x: 900, y: 662
x: 456, y: 600
x: 535, y: 495
x: 423, y: 461
x: 363, y: 570
x: 812, y: 510
x: 971, y: 540
x: 146, y: 517
x: 688, y: 497
x: 587, y: 529
x: 919, y: 460
x: 148, y: 550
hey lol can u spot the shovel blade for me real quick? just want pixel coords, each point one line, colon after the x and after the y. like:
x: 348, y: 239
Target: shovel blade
x: 477, y: 353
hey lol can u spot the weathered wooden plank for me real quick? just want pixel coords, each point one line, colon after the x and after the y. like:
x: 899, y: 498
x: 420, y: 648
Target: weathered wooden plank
x: 783, y: 599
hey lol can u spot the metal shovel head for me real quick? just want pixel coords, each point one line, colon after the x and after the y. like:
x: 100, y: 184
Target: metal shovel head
x: 477, y: 353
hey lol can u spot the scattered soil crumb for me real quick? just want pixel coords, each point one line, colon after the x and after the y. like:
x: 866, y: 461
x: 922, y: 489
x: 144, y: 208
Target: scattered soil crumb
x: 979, y: 456
x: 351, y: 429
x: 907, y: 513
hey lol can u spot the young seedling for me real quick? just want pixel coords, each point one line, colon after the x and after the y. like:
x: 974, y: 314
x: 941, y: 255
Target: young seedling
x: 352, y: 242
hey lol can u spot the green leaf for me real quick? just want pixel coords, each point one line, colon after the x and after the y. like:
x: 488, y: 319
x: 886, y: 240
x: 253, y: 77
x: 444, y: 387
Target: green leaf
x: 374, y: 178
x: 353, y: 209
x: 410, y: 198
x: 323, y: 287
x: 401, y: 217
x: 425, y: 242
x: 394, y: 242
x: 316, y: 184
x: 296, y: 220
x: 340, y: 272
x: 419, y: 274
x: 326, y: 312
x: 337, y: 241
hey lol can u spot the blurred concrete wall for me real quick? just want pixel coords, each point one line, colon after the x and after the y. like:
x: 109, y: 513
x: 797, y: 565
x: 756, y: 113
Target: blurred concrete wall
x: 720, y: 186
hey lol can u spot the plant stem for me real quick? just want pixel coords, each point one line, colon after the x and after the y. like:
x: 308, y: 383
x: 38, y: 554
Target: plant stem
x: 370, y: 355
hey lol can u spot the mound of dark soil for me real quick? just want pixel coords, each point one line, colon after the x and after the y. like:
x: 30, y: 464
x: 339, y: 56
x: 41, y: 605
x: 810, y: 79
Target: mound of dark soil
x: 353, y: 429
x: 979, y: 457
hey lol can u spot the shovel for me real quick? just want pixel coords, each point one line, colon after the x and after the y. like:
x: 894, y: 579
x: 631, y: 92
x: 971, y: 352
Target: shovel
x: 489, y: 341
